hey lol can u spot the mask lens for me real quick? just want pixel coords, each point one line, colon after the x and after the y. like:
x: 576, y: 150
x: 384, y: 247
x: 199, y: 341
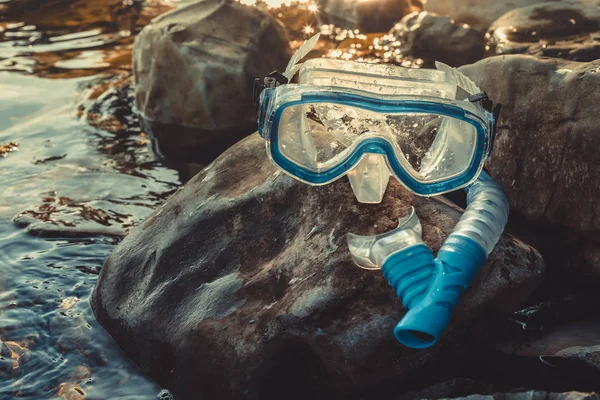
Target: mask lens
x: 430, y: 147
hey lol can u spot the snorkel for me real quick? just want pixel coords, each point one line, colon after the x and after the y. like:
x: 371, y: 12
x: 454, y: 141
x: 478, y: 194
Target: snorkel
x: 430, y: 288
x: 431, y: 129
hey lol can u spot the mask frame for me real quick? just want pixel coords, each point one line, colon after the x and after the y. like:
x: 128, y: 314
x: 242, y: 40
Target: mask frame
x: 274, y: 101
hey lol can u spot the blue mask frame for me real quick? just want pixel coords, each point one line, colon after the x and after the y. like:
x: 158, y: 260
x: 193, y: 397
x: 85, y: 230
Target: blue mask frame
x: 270, y: 118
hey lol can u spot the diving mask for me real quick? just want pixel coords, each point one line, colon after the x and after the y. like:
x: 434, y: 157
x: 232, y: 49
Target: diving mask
x: 431, y: 129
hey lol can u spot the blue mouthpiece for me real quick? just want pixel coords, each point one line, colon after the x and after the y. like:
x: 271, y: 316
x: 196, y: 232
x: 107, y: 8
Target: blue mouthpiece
x: 431, y: 287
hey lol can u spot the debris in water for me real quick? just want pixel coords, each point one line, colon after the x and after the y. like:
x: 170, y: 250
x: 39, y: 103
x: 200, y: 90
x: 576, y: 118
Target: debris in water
x: 8, y: 148
x: 53, y: 158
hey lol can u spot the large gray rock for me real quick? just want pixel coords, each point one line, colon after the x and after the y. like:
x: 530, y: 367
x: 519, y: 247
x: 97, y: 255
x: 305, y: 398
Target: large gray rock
x: 432, y: 37
x: 545, y: 154
x: 242, y: 286
x: 194, y: 70
x: 478, y: 13
x: 565, y: 29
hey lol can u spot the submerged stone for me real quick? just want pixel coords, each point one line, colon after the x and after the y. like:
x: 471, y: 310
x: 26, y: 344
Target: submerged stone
x: 242, y: 286
x: 9, y: 147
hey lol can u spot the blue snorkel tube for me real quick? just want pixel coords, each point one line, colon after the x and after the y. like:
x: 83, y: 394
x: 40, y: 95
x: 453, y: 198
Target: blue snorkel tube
x: 430, y: 287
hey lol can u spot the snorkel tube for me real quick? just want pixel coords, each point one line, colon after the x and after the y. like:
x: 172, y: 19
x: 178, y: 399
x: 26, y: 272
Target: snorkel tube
x: 430, y: 288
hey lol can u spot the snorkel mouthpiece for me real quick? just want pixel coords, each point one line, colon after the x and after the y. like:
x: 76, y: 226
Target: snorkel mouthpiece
x: 430, y: 288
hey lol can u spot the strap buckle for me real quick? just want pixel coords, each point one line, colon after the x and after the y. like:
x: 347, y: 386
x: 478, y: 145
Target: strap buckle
x: 272, y: 80
x: 489, y: 106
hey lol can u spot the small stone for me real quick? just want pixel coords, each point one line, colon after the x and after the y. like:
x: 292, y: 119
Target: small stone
x: 165, y: 395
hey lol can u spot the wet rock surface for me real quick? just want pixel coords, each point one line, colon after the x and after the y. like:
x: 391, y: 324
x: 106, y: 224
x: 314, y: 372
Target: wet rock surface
x: 544, y: 154
x: 478, y: 13
x: 241, y: 286
x: 433, y: 37
x: 464, y: 388
x: 194, y: 69
x: 562, y: 29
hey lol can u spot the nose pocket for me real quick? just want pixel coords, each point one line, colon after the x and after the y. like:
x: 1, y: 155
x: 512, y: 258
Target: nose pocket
x: 369, y: 178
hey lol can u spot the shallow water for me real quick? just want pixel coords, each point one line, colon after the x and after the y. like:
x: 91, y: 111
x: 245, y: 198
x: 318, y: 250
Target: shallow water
x: 76, y: 173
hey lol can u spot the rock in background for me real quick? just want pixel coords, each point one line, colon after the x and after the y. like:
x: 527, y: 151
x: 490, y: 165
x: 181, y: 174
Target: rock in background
x: 242, y: 286
x: 478, y: 13
x: 545, y: 153
x: 562, y: 29
x: 545, y: 150
x: 432, y: 37
x: 366, y: 16
x: 61, y: 14
x: 194, y: 70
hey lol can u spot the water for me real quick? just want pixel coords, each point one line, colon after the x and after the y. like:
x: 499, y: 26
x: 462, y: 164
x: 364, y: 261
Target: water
x: 79, y: 177
x: 52, y: 345
x: 76, y: 174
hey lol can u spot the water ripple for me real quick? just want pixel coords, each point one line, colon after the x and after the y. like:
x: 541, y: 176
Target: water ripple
x: 76, y: 175
x: 51, y: 342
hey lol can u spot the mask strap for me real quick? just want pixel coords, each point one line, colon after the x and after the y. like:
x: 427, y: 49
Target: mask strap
x: 461, y: 80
